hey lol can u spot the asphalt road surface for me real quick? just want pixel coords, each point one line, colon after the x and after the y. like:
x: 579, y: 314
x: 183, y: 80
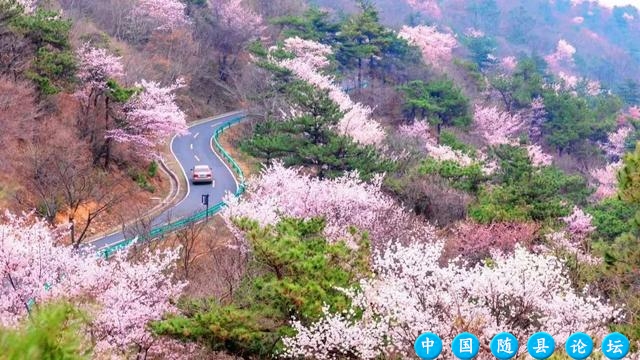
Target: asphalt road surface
x: 194, y: 148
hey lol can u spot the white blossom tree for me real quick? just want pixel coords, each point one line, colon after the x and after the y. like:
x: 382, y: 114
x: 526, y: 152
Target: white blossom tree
x: 410, y: 293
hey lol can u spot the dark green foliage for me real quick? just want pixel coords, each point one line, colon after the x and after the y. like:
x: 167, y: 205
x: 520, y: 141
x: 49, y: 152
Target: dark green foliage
x: 518, y: 90
x: 467, y: 178
x: 142, y: 179
x: 45, y: 28
x: 293, y: 272
x: 119, y: 93
x: 308, y: 139
x: 52, y: 332
x: 440, y: 101
x: 612, y: 217
x: 524, y: 192
x: 314, y: 24
x: 54, y: 65
x: 629, y: 92
x: 480, y: 48
x: 152, y: 170
x: 449, y: 139
x: 572, y: 121
x: 49, y: 66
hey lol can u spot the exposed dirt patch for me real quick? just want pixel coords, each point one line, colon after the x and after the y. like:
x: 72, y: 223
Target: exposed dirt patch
x: 230, y: 141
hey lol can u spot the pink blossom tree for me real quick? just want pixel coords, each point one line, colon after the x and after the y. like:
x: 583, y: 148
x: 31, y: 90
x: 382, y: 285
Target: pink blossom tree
x: 95, y: 67
x: 421, y: 131
x: 356, y: 122
x: 509, y: 63
x: 436, y: 47
x: 120, y: 296
x: 410, y: 292
x: 168, y: 14
x: 428, y: 7
x: 535, y: 116
x: 615, y: 147
x: 496, y: 126
x: 150, y: 117
x: 309, y: 52
x: 607, y: 180
x: 344, y: 202
x: 538, y: 157
x: 579, y: 224
x: 235, y: 25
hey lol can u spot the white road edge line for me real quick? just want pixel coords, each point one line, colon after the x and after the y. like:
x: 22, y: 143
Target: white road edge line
x: 196, y: 123
x: 233, y: 175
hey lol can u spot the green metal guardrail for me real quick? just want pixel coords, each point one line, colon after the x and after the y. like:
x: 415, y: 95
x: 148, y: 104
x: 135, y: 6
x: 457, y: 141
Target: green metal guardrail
x: 179, y: 224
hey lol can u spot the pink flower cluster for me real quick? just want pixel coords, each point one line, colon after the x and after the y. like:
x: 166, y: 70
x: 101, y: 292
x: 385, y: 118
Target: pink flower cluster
x: 356, y: 122
x: 429, y: 7
x: 343, y: 202
x: 96, y: 66
x: 237, y: 18
x: 168, y: 13
x: 151, y: 116
x: 538, y: 157
x: 120, y: 295
x: 411, y: 292
x: 496, y: 126
x: 607, y: 179
x: 616, y: 145
x: 437, y: 47
x: 579, y: 223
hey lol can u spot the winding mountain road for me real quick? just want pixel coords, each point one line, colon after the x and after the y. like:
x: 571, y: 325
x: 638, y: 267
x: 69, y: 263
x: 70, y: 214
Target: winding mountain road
x: 191, y: 149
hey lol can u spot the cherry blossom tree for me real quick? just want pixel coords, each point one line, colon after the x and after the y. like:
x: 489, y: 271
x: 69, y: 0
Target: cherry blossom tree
x: 344, y: 202
x: 235, y: 25
x: 120, y: 295
x: 429, y: 7
x: 96, y: 66
x: 169, y: 14
x: 607, y: 180
x: 562, y: 244
x: 420, y: 131
x: 410, y: 293
x: 579, y: 224
x: 535, y: 116
x: 436, y: 47
x: 615, y: 147
x: 496, y: 126
x: 137, y: 293
x: 356, y: 122
x: 310, y: 52
x: 538, y: 157
x: 509, y: 63
x: 150, y: 117
x: 564, y: 53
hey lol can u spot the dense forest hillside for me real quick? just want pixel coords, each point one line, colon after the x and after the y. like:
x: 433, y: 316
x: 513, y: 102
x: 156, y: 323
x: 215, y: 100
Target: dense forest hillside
x: 411, y: 166
x: 602, y: 35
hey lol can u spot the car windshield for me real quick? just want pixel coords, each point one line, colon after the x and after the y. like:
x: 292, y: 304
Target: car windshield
x: 201, y: 168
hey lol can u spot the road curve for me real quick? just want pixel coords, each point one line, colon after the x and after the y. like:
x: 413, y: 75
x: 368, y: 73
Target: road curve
x: 191, y: 149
